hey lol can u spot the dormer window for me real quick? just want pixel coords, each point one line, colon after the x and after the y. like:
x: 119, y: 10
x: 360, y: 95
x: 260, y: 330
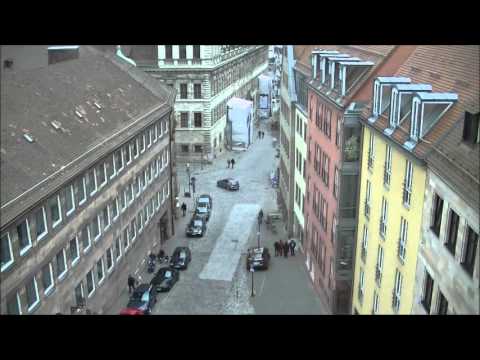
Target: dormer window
x: 317, y: 57
x: 334, y: 66
x: 325, y: 65
x: 350, y: 72
x: 401, y: 101
x: 471, y: 129
x: 382, y: 88
x: 427, y: 109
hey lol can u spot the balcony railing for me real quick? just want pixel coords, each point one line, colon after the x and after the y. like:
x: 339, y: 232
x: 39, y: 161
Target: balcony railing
x: 169, y: 61
x: 182, y: 61
x: 196, y: 61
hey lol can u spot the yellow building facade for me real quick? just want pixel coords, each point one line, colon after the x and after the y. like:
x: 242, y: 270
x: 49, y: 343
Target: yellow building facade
x: 388, y: 228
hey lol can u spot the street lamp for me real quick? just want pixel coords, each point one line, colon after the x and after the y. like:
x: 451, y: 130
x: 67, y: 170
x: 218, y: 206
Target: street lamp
x: 258, y: 239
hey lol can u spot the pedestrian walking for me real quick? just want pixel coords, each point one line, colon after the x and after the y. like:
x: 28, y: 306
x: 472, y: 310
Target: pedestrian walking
x: 232, y: 162
x: 276, y: 246
x: 285, y: 249
x: 259, y: 134
x: 228, y: 163
x: 280, y: 248
x: 184, y: 209
x: 131, y: 283
x: 293, y: 244
x: 260, y: 215
x: 263, y: 134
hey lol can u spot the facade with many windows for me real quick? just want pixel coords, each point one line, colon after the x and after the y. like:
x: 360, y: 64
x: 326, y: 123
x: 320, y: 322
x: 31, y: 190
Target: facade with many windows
x: 411, y: 110
x: 86, y: 191
x: 205, y: 77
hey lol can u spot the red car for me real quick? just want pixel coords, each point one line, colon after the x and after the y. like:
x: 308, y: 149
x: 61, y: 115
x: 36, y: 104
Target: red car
x: 130, y: 311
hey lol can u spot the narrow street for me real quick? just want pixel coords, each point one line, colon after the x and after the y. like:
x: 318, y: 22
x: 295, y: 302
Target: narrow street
x: 216, y: 281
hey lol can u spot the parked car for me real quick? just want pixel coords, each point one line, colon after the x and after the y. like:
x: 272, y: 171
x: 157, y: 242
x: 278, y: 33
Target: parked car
x: 205, y: 200
x: 259, y: 258
x: 196, y: 227
x: 202, y: 213
x: 165, y: 278
x: 228, y: 184
x: 181, y: 257
x: 142, y: 301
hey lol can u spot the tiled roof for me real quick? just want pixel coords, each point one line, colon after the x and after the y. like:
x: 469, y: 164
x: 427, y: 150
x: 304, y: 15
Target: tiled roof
x: 453, y: 69
x: 32, y: 99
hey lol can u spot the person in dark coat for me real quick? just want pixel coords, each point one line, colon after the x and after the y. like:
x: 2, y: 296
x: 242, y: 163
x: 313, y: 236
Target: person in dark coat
x: 232, y: 162
x: 276, y: 246
x: 259, y: 134
x: 228, y: 163
x: 280, y: 247
x: 184, y: 208
x: 131, y: 283
x: 293, y: 244
x: 285, y: 249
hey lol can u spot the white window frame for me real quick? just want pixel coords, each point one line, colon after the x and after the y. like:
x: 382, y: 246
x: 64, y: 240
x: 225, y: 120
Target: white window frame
x: 383, y: 217
x: 138, y: 150
x: 19, y: 303
x: 132, y: 193
x: 155, y: 168
x: 166, y: 127
x: 100, y: 281
x: 139, y: 231
x: 105, y: 176
x: 414, y: 117
x: 42, y: 235
x: 61, y: 276
x: 158, y: 126
x: 365, y: 238
x: 134, y: 236
x: 75, y: 261
x: 152, y: 202
x: 12, y: 260
x: 167, y: 157
x: 115, y: 203
x: 119, y: 240
x: 122, y: 160
x: 125, y: 149
x: 29, y: 246
x: 69, y: 212
x: 105, y: 228
x: 84, y: 191
x: 402, y: 249
x: 114, y: 170
x: 155, y: 133
x: 388, y: 164
x: 95, y: 181
x: 398, y: 288
x: 145, y: 179
x: 36, y: 302
x: 408, y: 182
x: 110, y: 250
x: 144, y: 143
x: 89, y: 294
x: 139, y: 186
x: 123, y: 194
x: 99, y: 223
x: 55, y: 224
x: 159, y: 202
x: 168, y: 189
x: 149, y: 138
x: 371, y: 147
x: 163, y: 194
x: 152, y: 170
x: 127, y: 229
x: 361, y: 285
x: 87, y: 227
x: 368, y: 198
x: 146, y: 211
x: 49, y: 290
x: 379, y: 265
x: 376, y: 301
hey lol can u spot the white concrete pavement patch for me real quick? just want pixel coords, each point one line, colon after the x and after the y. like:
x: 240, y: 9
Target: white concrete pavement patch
x: 224, y: 258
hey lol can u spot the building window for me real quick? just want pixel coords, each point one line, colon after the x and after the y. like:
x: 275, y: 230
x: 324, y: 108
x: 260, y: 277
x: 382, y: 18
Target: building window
x: 41, y: 223
x: 376, y: 301
x: 61, y: 264
x: 407, y: 185
x: 100, y: 271
x: 197, y: 117
x: 198, y: 148
x: 150, y: 132
x: 141, y: 143
x: 427, y: 292
x: 47, y: 278
x: 96, y: 228
x: 118, y: 248
x: 101, y: 175
x: 123, y: 199
x: 334, y: 229
x: 74, y: 250
x: 325, y: 169
x: 6, y: 251
x: 118, y: 161
x: 90, y: 283
x: 81, y: 189
x: 154, y: 168
x: 196, y: 52
x: 106, y: 218
x: 158, y: 126
x: 361, y: 286
x: 383, y: 218
x: 24, y: 239
x: 387, y: 172
x: 437, y: 214
x: 147, y: 213
x: 14, y: 307
x: 183, y: 91
x: 182, y: 50
x: 197, y: 91
x: 335, y: 183
x: 367, y: 199
x: 451, y: 240
x: 126, y: 154
x: 109, y: 259
x: 55, y: 211
x: 184, y: 119
x: 364, y: 243
x: 338, y: 132
x: 79, y: 295
x: 133, y: 230
x: 469, y: 251
x: 402, y: 242
x: 110, y: 165
x: 114, y: 207
x: 471, y: 129
x: 379, y: 266
x: 86, y: 240
x: 134, y: 147
x: 140, y: 222
x: 442, y: 305
x: 397, y: 291
x: 371, y: 150
x: 32, y: 294
x: 168, y: 52
x: 184, y: 148
x: 69, y: 200
x: 91, y: 182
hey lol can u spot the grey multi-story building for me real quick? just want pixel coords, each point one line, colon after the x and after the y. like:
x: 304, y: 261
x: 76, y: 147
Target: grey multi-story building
x: 205, y: 78
x: 447, y: 276
x: 85, y: 178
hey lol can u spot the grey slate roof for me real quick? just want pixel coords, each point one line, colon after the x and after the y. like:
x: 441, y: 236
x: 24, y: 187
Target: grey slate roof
x: 457, y: 164
x: 32, y: 99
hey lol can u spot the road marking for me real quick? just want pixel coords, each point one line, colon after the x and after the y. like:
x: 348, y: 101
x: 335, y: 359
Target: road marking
x: 136, y: 271
x: 143, y: 261
x: 263, y: 283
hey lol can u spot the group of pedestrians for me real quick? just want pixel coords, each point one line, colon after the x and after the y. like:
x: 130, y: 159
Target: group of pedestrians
x: 261, y: 134
x: 284, y: 247
x: 230, y: 162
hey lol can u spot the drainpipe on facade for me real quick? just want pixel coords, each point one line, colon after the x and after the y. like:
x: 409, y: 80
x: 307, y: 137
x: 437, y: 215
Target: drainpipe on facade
x: 120, y: 54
